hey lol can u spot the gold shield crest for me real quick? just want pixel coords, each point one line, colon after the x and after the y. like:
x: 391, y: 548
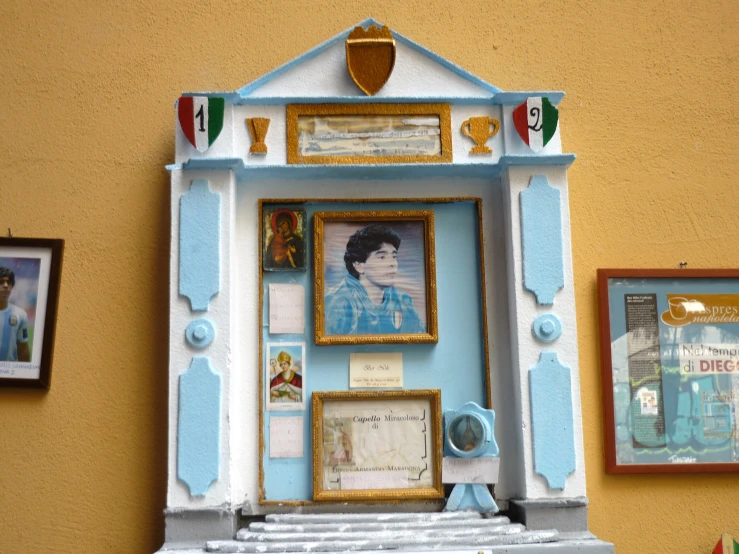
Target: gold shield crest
x: 370, y: 57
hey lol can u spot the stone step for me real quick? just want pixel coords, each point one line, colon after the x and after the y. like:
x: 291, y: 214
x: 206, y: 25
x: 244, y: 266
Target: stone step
x: 410, y: 543
x: 357, y: 518
x: 441, y: 534
x: 264, y: 527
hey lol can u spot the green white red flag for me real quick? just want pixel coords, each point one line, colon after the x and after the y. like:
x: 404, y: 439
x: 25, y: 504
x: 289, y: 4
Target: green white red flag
x: 536, y: 121
x: 726, y: 545
x: 201, y: 119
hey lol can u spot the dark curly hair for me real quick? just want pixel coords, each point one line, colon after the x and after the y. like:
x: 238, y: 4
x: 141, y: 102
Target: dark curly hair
x: 6, y: 272
x: 365, y: 241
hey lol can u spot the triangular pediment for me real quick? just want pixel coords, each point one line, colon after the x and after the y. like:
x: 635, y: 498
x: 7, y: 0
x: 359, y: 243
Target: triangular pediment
x: 322, y: 73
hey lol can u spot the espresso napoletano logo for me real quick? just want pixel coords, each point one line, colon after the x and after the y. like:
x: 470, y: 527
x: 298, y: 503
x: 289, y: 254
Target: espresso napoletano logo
x: 684, y: 309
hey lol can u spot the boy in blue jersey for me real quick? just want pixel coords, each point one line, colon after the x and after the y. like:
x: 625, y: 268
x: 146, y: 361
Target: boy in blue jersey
x: 366, y: 301
x: 13, y: 323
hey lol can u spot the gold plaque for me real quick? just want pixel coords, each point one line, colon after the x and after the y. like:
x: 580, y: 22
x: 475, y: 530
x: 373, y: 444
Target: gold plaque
x: 478, y: 129
x: 370, y: 57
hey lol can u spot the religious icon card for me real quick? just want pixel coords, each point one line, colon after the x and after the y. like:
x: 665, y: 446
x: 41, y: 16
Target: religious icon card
x: 283, y: 239
x: 285, y: 376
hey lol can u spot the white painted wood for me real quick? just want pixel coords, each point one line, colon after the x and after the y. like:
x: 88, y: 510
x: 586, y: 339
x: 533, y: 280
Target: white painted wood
x: 524, y: 347
x: 220, y: 312
x: 415, y: 75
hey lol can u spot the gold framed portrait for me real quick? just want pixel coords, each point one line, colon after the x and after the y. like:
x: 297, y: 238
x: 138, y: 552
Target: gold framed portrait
x: 368, y: 133
x: 375, y: 277
x: 377, y: 446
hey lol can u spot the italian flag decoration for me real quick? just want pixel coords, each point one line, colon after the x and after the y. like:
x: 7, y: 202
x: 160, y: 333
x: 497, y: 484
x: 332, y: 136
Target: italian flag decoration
x: 201, y: 119
x: 536, y: 121
x: 726, y: 545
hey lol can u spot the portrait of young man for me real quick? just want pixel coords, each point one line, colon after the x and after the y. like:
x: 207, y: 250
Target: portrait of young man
x: 372, y: 297
x: 14, y: 339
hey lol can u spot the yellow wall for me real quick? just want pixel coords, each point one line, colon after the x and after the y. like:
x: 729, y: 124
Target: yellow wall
x: 86, y: 127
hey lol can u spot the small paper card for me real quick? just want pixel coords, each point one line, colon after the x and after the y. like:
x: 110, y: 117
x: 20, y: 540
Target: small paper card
x: 286, y: 437
x: 376, y: 371
x: 470, y: 470
x: 286, y: 308
x: 356, y: 480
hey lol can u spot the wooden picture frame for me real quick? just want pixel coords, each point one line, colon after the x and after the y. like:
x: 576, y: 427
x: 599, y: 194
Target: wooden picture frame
x: 30, y: 275
x: 368, y: 133
x: 379, y: 298
x: 406, y: 423
x: 669, y: 346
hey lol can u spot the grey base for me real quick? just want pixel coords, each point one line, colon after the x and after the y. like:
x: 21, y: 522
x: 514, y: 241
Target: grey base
x: 193, y: 528
x: 187, y: 531
x: 563, y: 514
x: 561, y: 547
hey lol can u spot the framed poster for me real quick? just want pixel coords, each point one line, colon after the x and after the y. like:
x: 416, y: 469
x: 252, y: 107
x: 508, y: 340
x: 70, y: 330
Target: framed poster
x: 30, y: 273
x: 670, y: 363
x: 375, y: 277
x: 377, y: 446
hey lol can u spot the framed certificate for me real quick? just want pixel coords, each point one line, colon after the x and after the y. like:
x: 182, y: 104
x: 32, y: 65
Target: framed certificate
x: 670, y: 362
x: 377, y: 446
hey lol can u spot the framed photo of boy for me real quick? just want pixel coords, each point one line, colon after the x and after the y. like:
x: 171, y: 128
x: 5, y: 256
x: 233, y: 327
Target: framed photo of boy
x: 375, y: 277
x: 30, y: 273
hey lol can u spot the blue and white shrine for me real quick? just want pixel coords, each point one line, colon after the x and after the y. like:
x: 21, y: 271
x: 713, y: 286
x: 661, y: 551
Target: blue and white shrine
x: 494, y: 175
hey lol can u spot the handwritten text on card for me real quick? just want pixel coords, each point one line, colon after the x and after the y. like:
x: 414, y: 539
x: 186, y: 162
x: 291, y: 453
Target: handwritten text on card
x: 286, y: 437
x: 355, y: 480
x: 286, y: 308
x: 470, y: 470
x: 375, y: 371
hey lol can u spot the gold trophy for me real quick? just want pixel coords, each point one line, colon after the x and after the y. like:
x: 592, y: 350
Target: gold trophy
x: 478, y: 129
x: 258, y: 130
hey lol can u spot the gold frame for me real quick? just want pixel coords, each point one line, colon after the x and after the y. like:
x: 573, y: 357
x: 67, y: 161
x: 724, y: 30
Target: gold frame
x: 306, y: 200
x: 441, y: 110
x: 377, y: 495
x: 432, y: 332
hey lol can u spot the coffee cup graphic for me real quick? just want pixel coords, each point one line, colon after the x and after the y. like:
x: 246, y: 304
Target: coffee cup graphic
x: 677, y: 306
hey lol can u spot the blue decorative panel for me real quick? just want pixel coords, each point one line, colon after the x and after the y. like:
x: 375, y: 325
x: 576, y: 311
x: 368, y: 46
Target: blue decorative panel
x: 541, y: 230
x: 547, y: 327
x: 199, y: 427
x: 200, y: 333
x: 200, y: 244
x: 551, y: 420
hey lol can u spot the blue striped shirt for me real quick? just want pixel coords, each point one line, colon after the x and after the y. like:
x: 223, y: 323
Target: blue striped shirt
x: 13, y: 329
